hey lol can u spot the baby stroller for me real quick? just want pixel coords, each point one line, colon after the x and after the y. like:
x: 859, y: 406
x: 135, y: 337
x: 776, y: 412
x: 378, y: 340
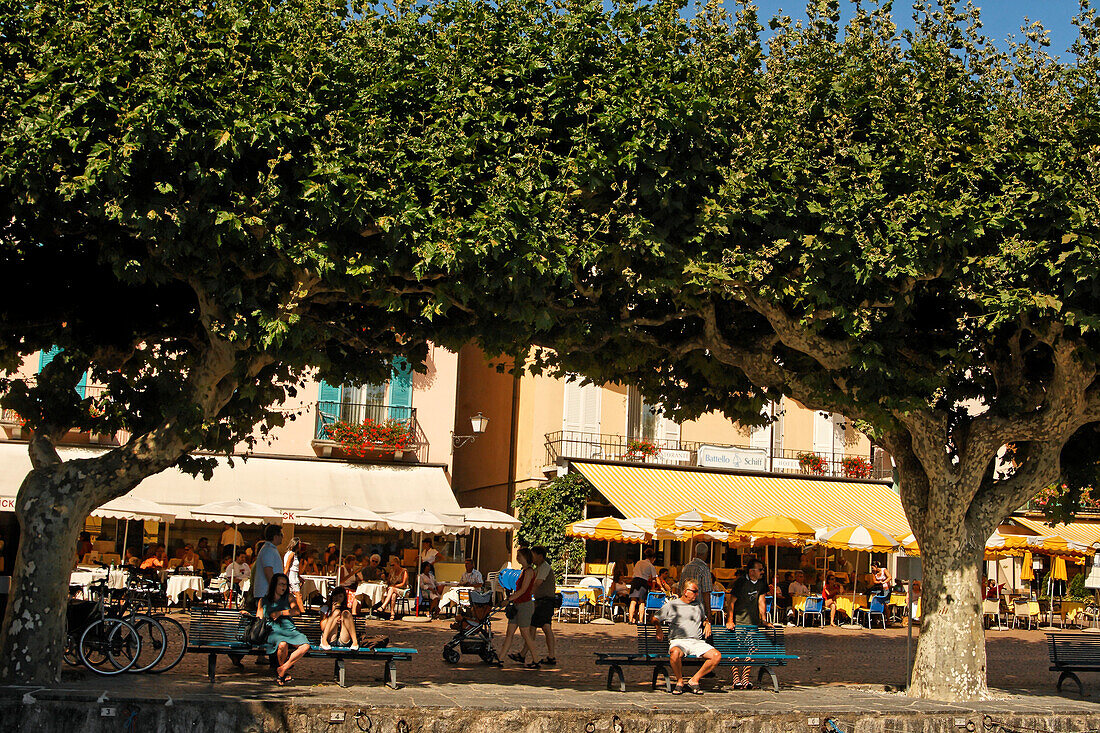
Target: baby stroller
x: 475, y: 633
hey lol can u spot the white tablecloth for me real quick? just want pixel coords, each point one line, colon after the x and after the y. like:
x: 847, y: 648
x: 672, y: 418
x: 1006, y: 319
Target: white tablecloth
x: 116, y: 579
x: 316, y: 583
x: 180, y: 585
x: 451, y: 597
x: 373, y: 592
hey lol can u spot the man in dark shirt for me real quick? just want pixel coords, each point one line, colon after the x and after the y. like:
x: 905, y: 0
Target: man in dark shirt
x: 373, y: 573
x: 747, y: 609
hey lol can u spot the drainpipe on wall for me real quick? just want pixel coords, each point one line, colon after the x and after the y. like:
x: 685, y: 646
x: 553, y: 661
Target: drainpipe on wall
x: 513, y: 440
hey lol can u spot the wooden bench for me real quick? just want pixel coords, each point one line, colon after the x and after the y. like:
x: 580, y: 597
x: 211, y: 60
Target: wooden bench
x: 1069, y: 653
x: 215, y: 631
x: 746, y: 646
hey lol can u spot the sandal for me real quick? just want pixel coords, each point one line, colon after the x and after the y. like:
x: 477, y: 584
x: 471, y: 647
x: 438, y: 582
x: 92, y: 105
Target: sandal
x: 533, y: 665
x: 517, y: 658
x: 678, y: 689
x: 549, y: 661
x: 281, y: 680
x: 694, y: 690
x: 749, y: 686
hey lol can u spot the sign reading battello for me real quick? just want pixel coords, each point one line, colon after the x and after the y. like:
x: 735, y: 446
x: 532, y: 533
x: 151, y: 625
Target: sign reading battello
x: 745, y: 459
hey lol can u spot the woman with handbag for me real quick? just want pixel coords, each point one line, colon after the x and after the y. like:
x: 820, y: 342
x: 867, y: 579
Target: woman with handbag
x: 522, y: 605
x: 276, y: 606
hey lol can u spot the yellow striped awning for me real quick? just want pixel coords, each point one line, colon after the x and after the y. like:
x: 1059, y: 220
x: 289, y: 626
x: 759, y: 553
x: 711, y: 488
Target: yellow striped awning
x: 1085, y: 533
x: 649, y: 491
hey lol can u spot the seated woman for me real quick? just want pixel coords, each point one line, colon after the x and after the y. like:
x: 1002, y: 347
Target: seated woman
x: 663, y: 583
x: 829, y: 593
x: 397, y: 582
x: 337, y: 623
x: 430, y: 592
x: 348, y: 576
x: 277, y: 606
x: 309, y: 564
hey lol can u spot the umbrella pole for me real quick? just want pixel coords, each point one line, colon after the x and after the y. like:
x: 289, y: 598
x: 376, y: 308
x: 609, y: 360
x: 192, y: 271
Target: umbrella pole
x: 233, y: 557
x: 340, y: 552
x: 125, y: 538
x: 419, y: 542
x: 775, y: 584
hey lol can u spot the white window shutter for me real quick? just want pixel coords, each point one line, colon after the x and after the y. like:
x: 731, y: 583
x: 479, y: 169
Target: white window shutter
x: 590, y: 408
x: 670, y: 429
x: 823, y: 432
x: 573, y: 414
x: 777, y: 430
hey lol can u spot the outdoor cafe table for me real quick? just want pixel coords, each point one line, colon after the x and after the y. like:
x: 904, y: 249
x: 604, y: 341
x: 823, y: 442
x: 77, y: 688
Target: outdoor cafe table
x: 83, y: 577
x: 1070, y: 611
x: 451, y: 596
x: 373, y: 592
x: 586, y: 593
x: 316, y: 584
x: 843, y: 603
x: 183, y: 585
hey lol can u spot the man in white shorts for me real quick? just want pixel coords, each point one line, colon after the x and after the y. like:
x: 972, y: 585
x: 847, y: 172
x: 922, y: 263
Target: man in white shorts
x: 688, y: 627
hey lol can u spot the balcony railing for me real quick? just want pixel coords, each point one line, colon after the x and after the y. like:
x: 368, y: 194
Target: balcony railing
x: 566, y: 444
x: 330, y: 413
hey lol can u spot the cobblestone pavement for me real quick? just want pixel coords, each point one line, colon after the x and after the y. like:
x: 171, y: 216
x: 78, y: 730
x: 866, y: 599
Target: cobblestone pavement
x: 838, y: 671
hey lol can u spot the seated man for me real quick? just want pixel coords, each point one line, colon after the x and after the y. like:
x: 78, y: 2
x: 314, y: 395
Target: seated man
x: 373, y: 571
x: 156, y: 560
x: 472, y: 576
x: 688, y: 627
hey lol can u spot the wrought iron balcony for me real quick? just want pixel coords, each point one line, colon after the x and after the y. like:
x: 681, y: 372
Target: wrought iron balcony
x: 566, y: 444
x: 399, y: 435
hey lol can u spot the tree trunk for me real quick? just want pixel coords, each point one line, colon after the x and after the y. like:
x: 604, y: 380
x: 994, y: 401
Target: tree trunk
x: 33, y: 636
x: 950, y: 662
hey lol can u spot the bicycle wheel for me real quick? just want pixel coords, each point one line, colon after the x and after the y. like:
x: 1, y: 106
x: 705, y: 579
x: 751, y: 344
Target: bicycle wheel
x: 175, y: 644
x: 153, y: 642
x: 109, y: 646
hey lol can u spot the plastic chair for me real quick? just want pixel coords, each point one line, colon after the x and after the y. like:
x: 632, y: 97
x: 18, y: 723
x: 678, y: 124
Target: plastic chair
x: 653, y: 603
x: 992, y: 607
x: 718, y: 606
x: 605, y: 603
x: 814, y: 606
x: 875, y: 606
x: 570, y: 604
x: 1028, y: 610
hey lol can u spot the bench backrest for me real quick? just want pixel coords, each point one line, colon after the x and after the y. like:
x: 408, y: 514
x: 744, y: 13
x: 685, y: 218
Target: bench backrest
x: 741, y: 642
x: 216, y: 626
x: 1074, y: 649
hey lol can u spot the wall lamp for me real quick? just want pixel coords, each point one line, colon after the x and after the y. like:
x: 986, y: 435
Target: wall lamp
x: 478, y: 424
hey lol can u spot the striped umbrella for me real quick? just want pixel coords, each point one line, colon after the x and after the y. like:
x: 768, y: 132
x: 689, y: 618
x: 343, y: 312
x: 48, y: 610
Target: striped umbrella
x: 608, y: 529
x: 696, y: 525
x: 1058, y: 545
x: 861, y: 539
x: 908, y: 545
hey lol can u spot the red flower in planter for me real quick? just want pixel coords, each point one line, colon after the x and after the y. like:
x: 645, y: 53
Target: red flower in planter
x: 359, y: 439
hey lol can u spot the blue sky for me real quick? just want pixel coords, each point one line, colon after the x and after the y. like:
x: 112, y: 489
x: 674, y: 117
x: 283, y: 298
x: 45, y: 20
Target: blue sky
x: 1000, y: 18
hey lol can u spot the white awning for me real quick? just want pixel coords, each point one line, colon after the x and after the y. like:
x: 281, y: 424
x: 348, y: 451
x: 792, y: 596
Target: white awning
x: 287, y: 484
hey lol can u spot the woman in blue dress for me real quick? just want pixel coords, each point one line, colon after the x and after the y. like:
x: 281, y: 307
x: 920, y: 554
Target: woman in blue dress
x: 285, y: 641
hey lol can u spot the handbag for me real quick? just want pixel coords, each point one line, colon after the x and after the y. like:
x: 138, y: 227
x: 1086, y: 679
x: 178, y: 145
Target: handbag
x: 557, y: 598
x: 257, y: 631
x: 510, y: 611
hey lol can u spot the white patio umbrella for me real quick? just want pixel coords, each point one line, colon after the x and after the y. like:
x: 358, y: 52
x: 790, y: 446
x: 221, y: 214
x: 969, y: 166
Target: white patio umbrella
x: 425, y: 521
x: 236, y: 511
x: 344, y: 516
x: 128, y: 507
x: 480, y: 518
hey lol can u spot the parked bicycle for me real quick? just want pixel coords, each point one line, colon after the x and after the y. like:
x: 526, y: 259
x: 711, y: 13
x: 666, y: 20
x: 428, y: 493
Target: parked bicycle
x: 102, y: 643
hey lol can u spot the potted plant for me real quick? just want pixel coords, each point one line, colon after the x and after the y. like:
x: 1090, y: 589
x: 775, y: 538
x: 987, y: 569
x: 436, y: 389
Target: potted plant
x: 372, y: 436
x: 641, y: 449
x: 855, y: 467
x: 812, y: 463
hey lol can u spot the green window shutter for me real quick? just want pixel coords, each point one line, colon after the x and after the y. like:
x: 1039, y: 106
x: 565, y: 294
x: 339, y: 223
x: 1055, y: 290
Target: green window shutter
x: 328, y: 408
x: 47, y: 356
x: 81, y: 387
x: 400, y: 389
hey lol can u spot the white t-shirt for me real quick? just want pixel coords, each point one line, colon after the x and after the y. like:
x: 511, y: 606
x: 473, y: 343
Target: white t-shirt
x: 235, y: 572
x: 429, y: 555
x: 268, y: 557
x: 644, y: 569
x: 797, y: 589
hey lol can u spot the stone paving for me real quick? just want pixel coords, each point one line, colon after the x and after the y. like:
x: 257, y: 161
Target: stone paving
x: 839, y: 672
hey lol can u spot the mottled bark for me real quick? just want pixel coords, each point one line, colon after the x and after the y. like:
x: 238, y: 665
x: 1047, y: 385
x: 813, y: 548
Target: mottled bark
x: 950, y: 663
x: 50, y: 518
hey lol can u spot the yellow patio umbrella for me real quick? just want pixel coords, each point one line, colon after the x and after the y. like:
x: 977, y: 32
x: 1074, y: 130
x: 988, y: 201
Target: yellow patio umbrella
x: 1027, y: 573
x: 908, y: 545
x: 1058, y: 545
x: 861, y: 539
x: 1004, y: 545
x: 1058, y: 572
x: 694, y: 523
x: 777, y: 529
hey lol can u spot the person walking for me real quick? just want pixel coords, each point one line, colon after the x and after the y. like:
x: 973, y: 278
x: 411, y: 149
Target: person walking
x: 523, y: 602
x: 644, y: 574
x: 291, y: 565
x: 747, y: 609
x: 545, y: 594
x: 700, y: 572
x: 689, y: 627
